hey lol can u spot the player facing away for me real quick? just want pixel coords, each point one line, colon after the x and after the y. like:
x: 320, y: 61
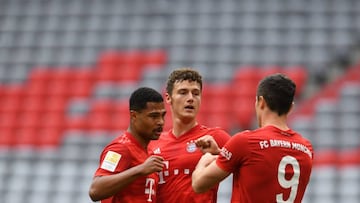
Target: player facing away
x: 270, y: 164
x: 126, y: 172
x: 177, y: 147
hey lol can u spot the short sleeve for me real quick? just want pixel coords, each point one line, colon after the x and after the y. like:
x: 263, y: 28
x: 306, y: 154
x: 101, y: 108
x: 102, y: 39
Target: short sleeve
x: 233, y: 153
x: 220, y: 136
x: 114, y: 159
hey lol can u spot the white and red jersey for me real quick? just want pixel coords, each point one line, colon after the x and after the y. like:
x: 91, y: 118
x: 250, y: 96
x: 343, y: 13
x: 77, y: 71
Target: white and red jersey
x: 268, y: 165
x: 181, y: 157
x: 123, y: 153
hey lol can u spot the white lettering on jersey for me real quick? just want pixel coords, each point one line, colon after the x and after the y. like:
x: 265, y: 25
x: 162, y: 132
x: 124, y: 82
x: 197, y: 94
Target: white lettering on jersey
x: 301, y: 148
x: 150, y: 182
x: 226, y: 153
x: 264, y: 144
x: 164, y: 172
x: 280, y: 143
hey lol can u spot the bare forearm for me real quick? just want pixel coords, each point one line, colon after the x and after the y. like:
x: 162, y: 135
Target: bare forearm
x: 103, y: 187
x: 197, y: 178
x: 206, y: 176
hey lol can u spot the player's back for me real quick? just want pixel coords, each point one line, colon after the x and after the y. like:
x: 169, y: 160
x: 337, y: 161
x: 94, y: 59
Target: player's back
x: 275, y: 165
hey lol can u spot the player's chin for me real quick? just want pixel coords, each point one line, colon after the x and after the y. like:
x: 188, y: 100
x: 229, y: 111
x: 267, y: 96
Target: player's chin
x: 156, y: 135
x: 189, y: 114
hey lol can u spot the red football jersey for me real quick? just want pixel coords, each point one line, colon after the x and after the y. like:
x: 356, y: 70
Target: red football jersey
x: 123, y: 153
x: 181, y: 157
x: 268, y: 165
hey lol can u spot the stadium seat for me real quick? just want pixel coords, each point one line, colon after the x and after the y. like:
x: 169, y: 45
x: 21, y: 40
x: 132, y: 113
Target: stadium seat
x: 244, y: 112
x: 60, y: 48
x: 120, y: 118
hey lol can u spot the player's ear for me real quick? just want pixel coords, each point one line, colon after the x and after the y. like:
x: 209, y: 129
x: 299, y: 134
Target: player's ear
x: 292, y: 106
x: 262, y: 102
x: 167, y: 98
x: 133, y: 114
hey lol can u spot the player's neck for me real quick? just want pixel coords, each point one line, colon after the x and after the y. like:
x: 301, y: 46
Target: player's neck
x: 180, y: 127
x: 276, y: 121
x: 140, y: 140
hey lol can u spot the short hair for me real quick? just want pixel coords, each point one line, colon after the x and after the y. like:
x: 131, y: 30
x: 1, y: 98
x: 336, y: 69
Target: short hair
x: 141, y: 96
x: 180, y: 75
x: 278, y: 91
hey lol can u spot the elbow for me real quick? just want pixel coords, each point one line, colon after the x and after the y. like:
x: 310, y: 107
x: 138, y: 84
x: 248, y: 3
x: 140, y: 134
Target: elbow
x: 198, y: 189
x: 93, y: 194
x: 195, y: 186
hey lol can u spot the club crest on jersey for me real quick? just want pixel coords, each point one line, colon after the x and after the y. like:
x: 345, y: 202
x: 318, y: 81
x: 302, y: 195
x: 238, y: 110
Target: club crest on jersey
x: 191, y: 147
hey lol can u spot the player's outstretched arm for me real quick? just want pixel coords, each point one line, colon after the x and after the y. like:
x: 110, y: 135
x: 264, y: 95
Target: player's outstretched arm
x: 208, y: 144
x: 103, y: 187
x: 207, y: 174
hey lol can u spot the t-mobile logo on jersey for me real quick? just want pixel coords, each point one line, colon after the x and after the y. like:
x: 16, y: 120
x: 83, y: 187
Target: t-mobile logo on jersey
x: 165, y: 172
x: 149, y: 188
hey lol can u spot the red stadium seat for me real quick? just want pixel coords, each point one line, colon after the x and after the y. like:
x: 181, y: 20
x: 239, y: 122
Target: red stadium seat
x: 58, y: 88
x: 129, y: 72
x: 76, y: 123
x: 99, y: 121
x: 7, y: 138
x: 120, y: 117
x: 40, y: 73
x: 222, y: 120
x: 168, y: 119
x: 49, y: 137
x: 110, y: 58
x: 244, y: 112
x: 102, y: 106
x: 107, y: 73
x: 53, y: 119
x: 8, y: 120
x: 299, y: 75
x: 64, y: 74
x: 134, y: 58
x: 249, y: 73
x: 55, y: 103
x: 349, y: 157
x: 26, y: 137
x: 245, y: 81
x: 99, y: 116
x: 11, y: 100
x: 353, y: 73
x: 33, y: 104
x: 269, y: 70
x: 36, y: 88
x: 29, y: 120
x: 155, y: 58
x: 216, y: 98
x: 80, y: 88
x: 245, y: 89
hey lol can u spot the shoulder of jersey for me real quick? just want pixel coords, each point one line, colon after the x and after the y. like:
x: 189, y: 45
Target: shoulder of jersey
x: 245, y: 132
x: 123, y: 139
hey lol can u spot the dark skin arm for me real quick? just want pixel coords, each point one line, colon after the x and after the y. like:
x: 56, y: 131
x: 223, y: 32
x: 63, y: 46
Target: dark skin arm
x: 103, y: 187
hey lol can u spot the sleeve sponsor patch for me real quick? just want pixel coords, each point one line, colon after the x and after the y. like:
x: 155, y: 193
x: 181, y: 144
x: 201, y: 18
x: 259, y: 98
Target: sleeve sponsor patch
x: 111, y: 161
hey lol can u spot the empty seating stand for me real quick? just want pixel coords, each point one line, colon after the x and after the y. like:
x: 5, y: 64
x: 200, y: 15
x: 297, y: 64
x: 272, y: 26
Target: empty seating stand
x: 67, y: 68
